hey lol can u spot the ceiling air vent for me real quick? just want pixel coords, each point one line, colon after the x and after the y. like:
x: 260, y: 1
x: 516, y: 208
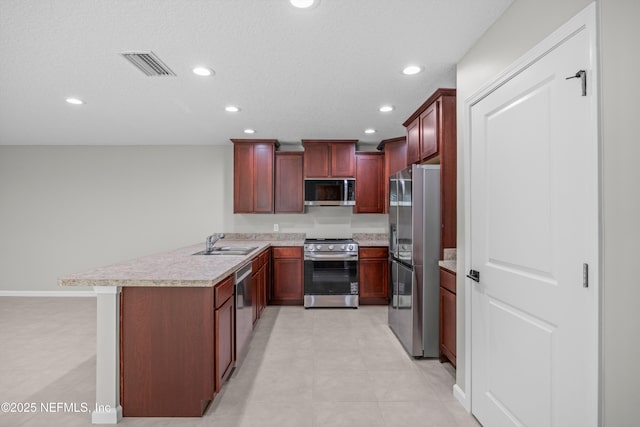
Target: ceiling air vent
x: 148, y: 63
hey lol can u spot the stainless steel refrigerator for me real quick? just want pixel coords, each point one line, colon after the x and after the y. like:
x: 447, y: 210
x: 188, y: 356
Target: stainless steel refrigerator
x: 414, y: 251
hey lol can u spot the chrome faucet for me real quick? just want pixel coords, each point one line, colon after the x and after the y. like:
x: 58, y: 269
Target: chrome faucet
x: 211, y: 240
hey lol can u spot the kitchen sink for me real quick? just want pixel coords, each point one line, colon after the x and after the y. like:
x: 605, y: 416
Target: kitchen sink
x: 228, y: 250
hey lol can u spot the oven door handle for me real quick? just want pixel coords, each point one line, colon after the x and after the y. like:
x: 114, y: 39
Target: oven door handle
x: 333, y: 257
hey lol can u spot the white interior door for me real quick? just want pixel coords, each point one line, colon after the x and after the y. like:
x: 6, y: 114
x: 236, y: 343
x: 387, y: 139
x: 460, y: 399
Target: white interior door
x: 534, y: 225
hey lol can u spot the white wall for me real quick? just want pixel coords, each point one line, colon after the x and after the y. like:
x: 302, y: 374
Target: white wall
x: 523, y: 25
x: 620, y: 130
x: 65, y: 209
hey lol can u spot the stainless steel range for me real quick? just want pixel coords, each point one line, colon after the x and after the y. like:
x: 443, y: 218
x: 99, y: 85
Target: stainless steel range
x: 330, y: 273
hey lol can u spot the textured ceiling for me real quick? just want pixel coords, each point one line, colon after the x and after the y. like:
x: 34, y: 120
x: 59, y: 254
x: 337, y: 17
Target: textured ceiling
x: 319, y: 73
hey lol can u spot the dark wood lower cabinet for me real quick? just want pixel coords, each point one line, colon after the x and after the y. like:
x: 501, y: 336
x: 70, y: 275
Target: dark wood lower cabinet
x: 166, y: 351
x: 224, y: 338
x: 373, y: 272
x: 447, y: 317
x: 259, y: 282
x: 176, y: 348
x: 287, y: 286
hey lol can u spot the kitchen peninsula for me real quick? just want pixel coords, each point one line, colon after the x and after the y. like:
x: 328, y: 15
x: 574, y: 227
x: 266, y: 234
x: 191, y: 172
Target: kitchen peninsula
x: 157, y: 318
x: 165, y: 324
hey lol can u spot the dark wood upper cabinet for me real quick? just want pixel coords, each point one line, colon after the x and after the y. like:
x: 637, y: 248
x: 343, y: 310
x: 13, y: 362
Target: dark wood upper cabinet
x: 413, y: 142
x: 343, y: 159
x: 431, y: 126
x: 329, y: 158
x: 289, y: 184
x: 369, y: 183
x: 253, y: 175
x: 432, y: 138
x: 395, y: 159
x: 428, y: 131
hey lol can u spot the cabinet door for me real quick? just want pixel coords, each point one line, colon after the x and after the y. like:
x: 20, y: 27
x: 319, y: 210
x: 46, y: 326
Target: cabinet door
x: 369, y: 183
x: 243, y: 178
x: 224, y: 342
x: 255, y: 292
x: 343, y: 159
x: 447, y: 326
x: 413, y: 142
x: 287, y: 282
x: 395, y: 156
x: 263, y: 178
x: 373, y: 272
x: 289, y: 183
x: 429, y: 131
x: 316, y: 160
x: 373, y: 281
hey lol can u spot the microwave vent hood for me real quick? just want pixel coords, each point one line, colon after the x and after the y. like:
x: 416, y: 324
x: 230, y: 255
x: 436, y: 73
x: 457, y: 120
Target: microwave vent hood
x: 330, y: 192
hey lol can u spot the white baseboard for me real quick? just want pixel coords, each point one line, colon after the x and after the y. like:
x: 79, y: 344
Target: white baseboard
x: 107, y: 416
x: 461, y: 397
x: 47, y: 293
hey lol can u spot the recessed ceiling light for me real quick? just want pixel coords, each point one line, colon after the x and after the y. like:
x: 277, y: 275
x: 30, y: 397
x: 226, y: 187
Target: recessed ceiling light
x: 370, y: 131
x: 304, y: 4
x: 411, y: 70
x: 231, y: 108
x: 203, y: 71
x: 386, y: 108
x: 249, y: 131
x: 75, y: 101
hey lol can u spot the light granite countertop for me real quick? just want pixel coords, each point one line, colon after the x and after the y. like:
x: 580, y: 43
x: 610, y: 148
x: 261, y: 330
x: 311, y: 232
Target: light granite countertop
x: 175, y: 268
x: 449, y: 262
x: 180, y: 267
x: 371, y: 239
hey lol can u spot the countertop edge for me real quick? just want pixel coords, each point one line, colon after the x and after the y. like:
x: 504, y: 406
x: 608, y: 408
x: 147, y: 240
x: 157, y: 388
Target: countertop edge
x: 449, y: 265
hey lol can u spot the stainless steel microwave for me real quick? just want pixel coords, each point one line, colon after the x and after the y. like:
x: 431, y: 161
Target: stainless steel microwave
x: 330, y: 192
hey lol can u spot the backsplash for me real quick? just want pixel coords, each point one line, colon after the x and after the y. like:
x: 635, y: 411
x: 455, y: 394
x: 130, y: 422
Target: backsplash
x: 318, y: 222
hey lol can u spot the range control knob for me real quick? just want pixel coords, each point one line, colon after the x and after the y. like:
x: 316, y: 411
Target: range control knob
x: 350, y: 247
x: 343, y: 247
x: 318, y: 247
x: 330, y: 247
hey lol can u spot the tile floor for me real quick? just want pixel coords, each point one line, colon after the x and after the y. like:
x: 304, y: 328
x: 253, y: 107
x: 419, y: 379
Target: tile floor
x: 316, y: 367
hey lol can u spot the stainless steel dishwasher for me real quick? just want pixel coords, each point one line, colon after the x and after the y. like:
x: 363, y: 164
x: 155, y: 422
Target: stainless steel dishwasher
x: 244, y: 311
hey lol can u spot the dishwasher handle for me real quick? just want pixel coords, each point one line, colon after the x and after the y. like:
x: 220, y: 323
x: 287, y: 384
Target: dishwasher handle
x: 243, y: 272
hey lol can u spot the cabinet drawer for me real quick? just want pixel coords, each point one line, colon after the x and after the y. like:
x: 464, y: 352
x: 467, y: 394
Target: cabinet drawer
x: 373, y: 252
x: 264, y: 257
x: 287, y: 252
x: 223, y: 291
x: 256, y: 263
x: 448, y: 280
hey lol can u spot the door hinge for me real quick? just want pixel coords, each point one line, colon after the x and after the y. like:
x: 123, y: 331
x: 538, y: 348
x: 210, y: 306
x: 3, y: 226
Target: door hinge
x: 585, y: 275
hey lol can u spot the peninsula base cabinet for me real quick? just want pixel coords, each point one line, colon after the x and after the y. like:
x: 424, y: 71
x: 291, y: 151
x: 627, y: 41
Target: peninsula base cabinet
x: 447, y: 316
x: 373, y: 272
x: 287, y: 285
x: 176, y: 348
